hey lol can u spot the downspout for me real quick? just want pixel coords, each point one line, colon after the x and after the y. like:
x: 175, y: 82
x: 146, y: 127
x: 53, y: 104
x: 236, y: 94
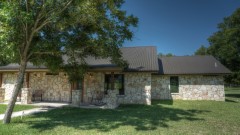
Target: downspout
x: 82, y: 90
x: 71, y: 92
x: 27, y: 80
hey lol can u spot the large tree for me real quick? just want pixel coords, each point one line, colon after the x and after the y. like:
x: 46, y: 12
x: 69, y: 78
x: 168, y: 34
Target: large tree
x: 44, y: 31
x: 225, y: 45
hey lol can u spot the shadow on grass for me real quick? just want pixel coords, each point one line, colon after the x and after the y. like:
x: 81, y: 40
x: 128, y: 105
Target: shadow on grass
x: 141, y: 117
x: 229, y: 100
x: 163, y: 102
x: 233, y: 95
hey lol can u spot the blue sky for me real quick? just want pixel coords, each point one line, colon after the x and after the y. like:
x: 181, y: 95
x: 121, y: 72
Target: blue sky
x: 177, y: 26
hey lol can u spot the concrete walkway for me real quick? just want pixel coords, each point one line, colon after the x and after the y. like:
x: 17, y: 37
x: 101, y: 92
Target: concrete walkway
x: 43, y: 107
x: 49, y: 104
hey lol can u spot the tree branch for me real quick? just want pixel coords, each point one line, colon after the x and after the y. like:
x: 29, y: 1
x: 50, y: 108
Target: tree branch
x: 38, y: 26
x: 52, y: 53
x: 41, y: 26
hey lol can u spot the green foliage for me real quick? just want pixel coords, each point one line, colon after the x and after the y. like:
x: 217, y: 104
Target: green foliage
x: 75, y: 72
x: 225, y: 46
x: 41, y: 32
x: 201, y: 51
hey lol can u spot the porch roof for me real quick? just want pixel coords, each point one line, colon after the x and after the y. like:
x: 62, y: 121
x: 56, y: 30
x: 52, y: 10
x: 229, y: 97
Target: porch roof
x: 14, y: 67
x: 140, y: 59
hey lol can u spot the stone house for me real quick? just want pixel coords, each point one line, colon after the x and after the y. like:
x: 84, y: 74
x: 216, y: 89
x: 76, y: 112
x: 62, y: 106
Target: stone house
x: 147, y: 77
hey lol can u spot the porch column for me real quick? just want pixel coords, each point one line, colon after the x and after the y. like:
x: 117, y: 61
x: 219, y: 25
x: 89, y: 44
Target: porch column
x: 26, y: 97
x: 111, y: 100
x: 76, y: 97
x: 27, y: 79
x: 1, y: 76
x: 2, y: 94
x: 147, y: 95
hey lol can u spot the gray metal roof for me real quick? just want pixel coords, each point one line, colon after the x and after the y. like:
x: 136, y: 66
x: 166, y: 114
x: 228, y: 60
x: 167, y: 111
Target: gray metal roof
x: 191, y: 65
x: 145, y: 59
x: 139, y: 59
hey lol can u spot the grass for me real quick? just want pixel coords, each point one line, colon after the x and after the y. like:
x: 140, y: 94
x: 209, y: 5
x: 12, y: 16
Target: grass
x: 162, y: 117
x: 16, y: 108
x: 232, y: 94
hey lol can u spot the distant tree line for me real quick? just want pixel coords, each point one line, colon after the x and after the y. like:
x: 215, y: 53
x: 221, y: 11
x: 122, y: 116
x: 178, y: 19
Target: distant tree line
x: 165, y: 55
x: 225, y: 46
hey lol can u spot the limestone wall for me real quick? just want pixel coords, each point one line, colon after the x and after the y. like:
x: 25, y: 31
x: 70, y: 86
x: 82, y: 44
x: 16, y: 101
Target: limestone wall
x: 111, y: 100
x: 76, y: 97
x: 9, y: 80
x: 26, y: 97
x: 160, y: 87
x: 56, y: 87
x: 137, y: 87
x: 93, y: 81
x: 202, y: 88
x: 2, y: 94
x: 191, y: 87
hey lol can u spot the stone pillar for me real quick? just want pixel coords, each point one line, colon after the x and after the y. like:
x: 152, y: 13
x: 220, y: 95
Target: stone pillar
x: 26, y: 97
x: 147, y: 95
x: 2, y: 94
x: 111, y: 99
x: 76, y: 97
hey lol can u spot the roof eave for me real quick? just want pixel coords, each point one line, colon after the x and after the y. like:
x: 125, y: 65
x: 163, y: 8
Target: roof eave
x: 152, y: 71
x: 194, y: 74
x: 27, y: 70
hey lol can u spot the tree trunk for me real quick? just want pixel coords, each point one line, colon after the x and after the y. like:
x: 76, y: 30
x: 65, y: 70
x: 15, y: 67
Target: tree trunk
x: 16, y: 90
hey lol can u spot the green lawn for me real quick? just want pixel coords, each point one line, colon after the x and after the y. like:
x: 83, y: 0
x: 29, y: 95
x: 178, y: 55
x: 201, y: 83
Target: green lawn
x: 232, y: 94
x: 163, y: 117
x: 16, y: 108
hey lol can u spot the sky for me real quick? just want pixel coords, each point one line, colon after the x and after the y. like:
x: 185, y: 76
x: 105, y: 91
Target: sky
x: 179, y: 27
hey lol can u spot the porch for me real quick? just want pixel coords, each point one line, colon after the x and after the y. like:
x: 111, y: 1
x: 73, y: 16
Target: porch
x: 122, y: 88
x: 109, y: 101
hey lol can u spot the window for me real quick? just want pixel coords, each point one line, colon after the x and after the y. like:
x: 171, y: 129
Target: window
x: 174, y: 84
x: 114, y: 82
